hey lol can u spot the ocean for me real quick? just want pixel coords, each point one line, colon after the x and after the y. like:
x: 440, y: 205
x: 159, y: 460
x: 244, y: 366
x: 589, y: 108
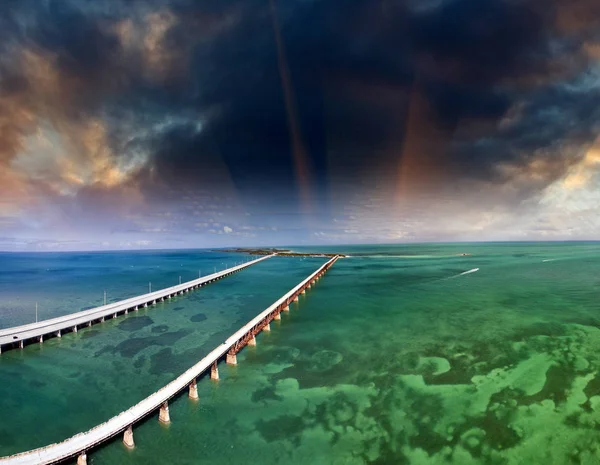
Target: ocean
x: 396, y: 356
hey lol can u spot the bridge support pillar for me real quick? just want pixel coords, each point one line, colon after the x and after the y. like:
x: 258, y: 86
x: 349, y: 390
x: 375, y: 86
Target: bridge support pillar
x: 21, y: 344
x: 296, y: 299
x: 74, y: 329
x: 252, y: 341
x: 277, y: 317
x: 146, y: 305
x: 128, y: 438
x: 102, y: 320
x: 193, y: 392
x: 82, y: 459
x: 41, y: 339
x: 304, y: 291
x: 163, y: 414
x: 267, y: 327
x: 214, y: 372
x: 231, y: 359
x: 58, y: 334
x: 286, y: 308
x: 114, y: 316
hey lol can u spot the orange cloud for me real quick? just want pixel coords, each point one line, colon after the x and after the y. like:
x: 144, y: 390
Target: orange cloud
x: 583, y: 172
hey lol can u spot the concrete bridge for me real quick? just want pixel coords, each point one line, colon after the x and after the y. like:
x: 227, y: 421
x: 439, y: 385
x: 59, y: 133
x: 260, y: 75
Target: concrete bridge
x: 18, y: 336
x: 80, y: 444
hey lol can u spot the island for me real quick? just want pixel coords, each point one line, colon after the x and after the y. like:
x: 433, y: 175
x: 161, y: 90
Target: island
x: 282, y: 252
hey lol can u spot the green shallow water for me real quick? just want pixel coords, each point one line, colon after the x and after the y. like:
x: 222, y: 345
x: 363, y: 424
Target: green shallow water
x: 389, y: 360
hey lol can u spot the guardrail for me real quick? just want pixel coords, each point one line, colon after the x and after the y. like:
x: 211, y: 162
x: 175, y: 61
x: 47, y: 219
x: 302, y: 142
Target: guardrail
x: 17, y: 336
x: 79, y: 444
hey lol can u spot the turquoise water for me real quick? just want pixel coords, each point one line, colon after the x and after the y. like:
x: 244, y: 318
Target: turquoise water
x: 63, y: 283
x: 395, y: 357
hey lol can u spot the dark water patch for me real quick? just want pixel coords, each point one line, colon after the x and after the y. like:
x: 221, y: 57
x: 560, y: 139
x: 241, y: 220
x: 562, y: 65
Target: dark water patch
x: 493, y: 429
x: 499, y: 434
x: 37, y: 384
x: 583, y: 320
x: 390, y: 446
x: 128, y: 348
x: 428, y: 440
x: 165, y: 361
x: 131, y: 347
x: 160, y: 329
x: 90, y: 333
x: 539, y: 329
x: 198, y: 318
x: 264, y: 394
x: 389, y: 453
x: 559, y: 379
x: 309, y: 378
x: 592, y: 388
x: 139, y: 362
x: 324, y: 360
x: 8, y: 436
x: 168, y: 339
x: 285, y: 427
x: 277, y: 354
x: 512, y: 302
x: 462, y: 364
x: 340, y: 408
x: 135, y: 323
x: 468, y: 360
x: 177, y: 309
x: 423, y: 412
x: 573, y: 420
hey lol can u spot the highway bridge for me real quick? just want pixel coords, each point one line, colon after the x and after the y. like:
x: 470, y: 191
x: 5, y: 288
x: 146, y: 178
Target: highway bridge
x: 18, y: 336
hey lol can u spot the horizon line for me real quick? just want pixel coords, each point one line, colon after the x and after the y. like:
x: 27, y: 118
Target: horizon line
x: 220, y: 248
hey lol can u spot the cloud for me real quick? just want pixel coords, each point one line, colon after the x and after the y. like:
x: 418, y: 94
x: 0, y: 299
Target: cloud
x: 113, y: 114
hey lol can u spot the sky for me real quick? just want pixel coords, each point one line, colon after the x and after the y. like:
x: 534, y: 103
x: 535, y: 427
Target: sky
x: 213, y: 123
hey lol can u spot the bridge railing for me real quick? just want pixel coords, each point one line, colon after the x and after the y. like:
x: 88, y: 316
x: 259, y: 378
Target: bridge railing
x: 32, y: 330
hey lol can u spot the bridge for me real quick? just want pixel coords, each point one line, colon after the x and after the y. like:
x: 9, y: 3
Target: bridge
x: 80, y: 444
x: 18, y: 336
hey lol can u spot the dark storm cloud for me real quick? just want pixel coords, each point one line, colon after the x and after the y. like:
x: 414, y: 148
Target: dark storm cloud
x: 211, y: 87
x: 472, y: 60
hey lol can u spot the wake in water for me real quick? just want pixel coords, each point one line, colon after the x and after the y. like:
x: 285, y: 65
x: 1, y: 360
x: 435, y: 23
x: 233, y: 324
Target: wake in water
x: 454, y: 276
x: 464, y: 272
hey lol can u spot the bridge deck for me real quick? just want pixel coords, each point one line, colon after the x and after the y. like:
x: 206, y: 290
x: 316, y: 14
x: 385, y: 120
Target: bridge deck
x: 83, y: 442
x: 12, y: 336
